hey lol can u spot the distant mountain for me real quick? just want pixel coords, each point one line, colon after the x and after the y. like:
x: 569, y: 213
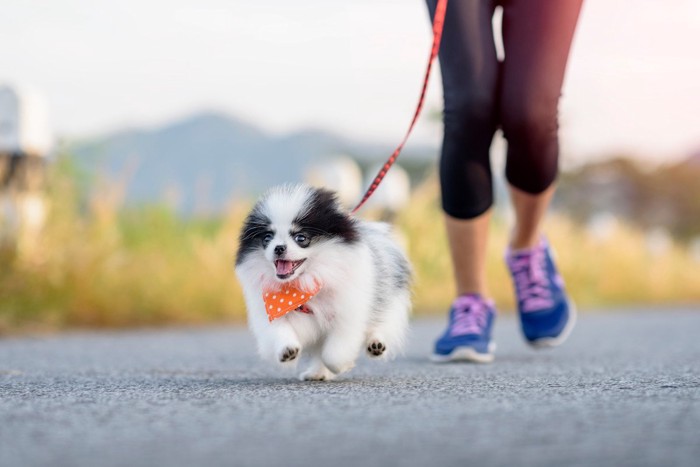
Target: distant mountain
x: 211, y: 157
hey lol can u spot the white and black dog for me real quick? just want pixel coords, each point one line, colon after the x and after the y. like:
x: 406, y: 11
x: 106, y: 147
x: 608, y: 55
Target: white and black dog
x: 300, y: 237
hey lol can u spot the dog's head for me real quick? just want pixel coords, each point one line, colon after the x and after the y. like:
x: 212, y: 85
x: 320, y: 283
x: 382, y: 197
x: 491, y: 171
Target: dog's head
x: 289, y: 231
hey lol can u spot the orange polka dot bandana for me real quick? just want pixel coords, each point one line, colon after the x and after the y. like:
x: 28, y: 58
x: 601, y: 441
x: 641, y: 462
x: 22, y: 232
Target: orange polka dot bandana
x: 279, y: 302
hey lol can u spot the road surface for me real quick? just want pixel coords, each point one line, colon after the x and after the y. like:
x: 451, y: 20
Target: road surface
x: 623, y: 391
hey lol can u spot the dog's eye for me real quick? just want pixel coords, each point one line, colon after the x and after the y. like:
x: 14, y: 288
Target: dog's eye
x: 267, y: 238
x: 302, y: 240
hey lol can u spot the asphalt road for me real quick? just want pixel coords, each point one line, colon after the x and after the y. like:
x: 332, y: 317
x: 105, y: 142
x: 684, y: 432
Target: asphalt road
x: 624, y: 390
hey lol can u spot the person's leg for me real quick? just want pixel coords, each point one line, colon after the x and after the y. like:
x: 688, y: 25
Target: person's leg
x: 529, y: 211
x: 469, y: 67
x: 537, y: 37
x: 467, y: 239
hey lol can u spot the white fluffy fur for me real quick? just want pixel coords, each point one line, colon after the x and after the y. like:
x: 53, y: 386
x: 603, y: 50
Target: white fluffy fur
x: 345, y: 318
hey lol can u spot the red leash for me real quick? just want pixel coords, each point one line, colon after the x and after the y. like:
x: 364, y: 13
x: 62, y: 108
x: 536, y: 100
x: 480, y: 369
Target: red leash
x: 438, y: 23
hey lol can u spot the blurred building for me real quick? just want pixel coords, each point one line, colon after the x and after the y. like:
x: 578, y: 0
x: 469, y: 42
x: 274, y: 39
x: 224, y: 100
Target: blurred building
x: 25, y: 142
x: 340, y: 174
x: 393, y: 193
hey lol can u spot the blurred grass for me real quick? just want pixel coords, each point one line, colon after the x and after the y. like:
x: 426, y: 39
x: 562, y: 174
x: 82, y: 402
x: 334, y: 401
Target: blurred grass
x: 618, y: 269
x: 100, y: 264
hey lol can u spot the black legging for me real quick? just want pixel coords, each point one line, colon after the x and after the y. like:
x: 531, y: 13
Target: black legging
x: 519, y: 94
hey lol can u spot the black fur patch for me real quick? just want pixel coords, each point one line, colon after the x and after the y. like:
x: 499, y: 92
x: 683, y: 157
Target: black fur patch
x: 324, y: 217
x: 255, y: 227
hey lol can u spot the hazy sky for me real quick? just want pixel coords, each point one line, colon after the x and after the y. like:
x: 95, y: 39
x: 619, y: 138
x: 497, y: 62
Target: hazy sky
x: 353, y: 67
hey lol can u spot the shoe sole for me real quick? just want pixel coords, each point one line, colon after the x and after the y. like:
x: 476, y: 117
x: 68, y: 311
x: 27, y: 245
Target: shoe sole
x: 547, y: 342
x: 466, y: 354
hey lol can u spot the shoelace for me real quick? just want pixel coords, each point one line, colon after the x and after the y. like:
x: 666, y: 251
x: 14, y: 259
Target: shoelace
x: 470, y: 315
x: 531, y: 282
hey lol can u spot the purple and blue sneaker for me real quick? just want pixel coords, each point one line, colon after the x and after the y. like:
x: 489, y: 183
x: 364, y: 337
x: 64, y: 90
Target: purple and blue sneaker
x: 468, y: 335
x: 546, y: 314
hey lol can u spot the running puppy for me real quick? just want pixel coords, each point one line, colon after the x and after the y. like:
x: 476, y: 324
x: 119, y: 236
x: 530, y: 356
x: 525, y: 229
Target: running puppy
x: 297, y: 243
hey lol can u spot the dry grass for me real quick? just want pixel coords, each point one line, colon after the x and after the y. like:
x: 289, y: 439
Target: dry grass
x: 99, y: 264
x: 618, y: 269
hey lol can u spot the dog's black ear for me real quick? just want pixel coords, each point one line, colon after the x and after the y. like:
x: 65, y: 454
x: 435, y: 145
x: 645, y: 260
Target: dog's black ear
x: 325, y: 216
x: 256, y: 225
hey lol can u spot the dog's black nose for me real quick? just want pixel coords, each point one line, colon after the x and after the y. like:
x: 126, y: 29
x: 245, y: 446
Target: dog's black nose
x: 280, y: 249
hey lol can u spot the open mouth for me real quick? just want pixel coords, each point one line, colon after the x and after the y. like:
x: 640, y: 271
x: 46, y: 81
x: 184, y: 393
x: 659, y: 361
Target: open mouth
x: 286, y: 268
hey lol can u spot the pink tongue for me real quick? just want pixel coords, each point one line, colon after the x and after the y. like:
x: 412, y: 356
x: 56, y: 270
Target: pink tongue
x: 284, y: 267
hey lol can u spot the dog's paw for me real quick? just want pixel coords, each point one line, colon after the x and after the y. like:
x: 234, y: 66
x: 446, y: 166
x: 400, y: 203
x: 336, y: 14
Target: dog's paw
x: 288, y: 354
x: 340, y: 368
x: 376, y: 348
x: 316, y: 374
